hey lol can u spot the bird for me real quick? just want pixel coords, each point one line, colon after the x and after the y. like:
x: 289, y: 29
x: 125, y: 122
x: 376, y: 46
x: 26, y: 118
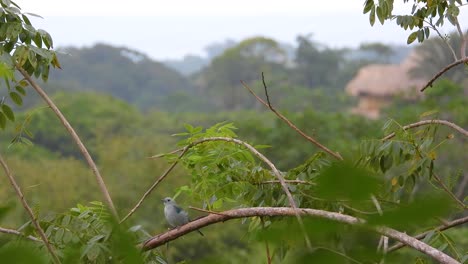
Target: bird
x: 175, y: 215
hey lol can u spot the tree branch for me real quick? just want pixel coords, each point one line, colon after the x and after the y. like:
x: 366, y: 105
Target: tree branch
x: 251, y: 149
x: 462, y: 37
x: 28, y: 209
x: 170, y: 235
x: 18, y: 233
x: 433, y: 27
x: 287, y: 181
x: 159, y: 180
x: 444, y: 70
x: 289, y: 123
x: 443, y: 227
x: 76, y: 138
x: 429, y: 122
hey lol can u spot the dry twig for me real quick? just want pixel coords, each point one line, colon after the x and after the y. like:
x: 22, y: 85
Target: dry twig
x: 430, y: 122
x: 444, y: 70
x: 443, y: 227
x: 28, y: 209
x: 76, y: 138
x: 18, y: 233
x: 159, y: 180
x: 289, y: 123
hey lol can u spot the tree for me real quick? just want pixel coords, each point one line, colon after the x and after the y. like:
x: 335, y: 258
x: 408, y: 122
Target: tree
x: 316, y: 66
x: 383, y: 189
x: 241, y: 62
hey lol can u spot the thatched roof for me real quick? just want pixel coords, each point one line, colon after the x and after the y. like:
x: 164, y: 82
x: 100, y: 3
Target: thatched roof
x: 385, y: 80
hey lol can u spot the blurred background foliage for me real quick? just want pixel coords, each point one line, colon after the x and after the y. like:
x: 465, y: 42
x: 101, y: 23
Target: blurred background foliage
x: 129, y: 112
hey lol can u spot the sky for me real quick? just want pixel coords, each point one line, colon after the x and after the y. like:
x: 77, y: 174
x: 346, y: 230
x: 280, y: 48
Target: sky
x: 173, y: 28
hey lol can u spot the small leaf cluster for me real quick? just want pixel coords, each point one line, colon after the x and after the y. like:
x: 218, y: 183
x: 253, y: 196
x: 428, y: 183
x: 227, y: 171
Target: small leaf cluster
x: 422, y: 12
x: 21, y: 46
x: 404, y: 160
x: 89, y: 233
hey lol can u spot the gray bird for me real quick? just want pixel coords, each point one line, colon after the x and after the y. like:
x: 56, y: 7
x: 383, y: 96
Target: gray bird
x: 175, y: 215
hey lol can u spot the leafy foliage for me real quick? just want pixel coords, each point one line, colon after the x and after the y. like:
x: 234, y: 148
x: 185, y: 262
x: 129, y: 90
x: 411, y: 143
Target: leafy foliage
x: 22, y: 46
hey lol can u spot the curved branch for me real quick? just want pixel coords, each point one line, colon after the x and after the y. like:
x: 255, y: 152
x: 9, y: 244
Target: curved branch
x: 444, y: 70
x: 154, y: 186
x: 210, y: 219
x: 289, y: 123
x: 449, y: 225
x: 18, y: 233
x: 76, y: 138
x: 429, y: 122
x: 251, y: 149
x: 28, y: 209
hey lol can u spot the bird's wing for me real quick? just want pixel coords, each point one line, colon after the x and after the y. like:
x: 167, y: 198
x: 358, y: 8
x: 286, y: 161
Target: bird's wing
x: 178, y: 209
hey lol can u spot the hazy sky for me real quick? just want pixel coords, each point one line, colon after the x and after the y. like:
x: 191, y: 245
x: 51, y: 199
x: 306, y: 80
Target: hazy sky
x: 172, y: 28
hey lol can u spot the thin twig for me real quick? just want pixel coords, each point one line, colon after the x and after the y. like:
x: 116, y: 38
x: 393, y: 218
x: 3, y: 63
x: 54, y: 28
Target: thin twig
x: 454, y: 54
x: 204, y: 211
x: 75, y: 137
x: 266, y: 244
x: 456, y: 222
x: 450, y: 193
x: 462, y: 37
x: 173, y: 234
x: 165, y: 154
x: 28, y: 209
x: 18, y: 233
x: 287, y: 181
x: 429, y: 122
x: 444, y: 70
x: 289, y: 123
x: 159, y: 180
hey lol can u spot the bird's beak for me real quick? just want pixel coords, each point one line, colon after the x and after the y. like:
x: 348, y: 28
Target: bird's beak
x: 162, y: 200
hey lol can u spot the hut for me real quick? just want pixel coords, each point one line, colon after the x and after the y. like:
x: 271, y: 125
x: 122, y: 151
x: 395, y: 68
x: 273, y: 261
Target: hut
x: 375, y: 85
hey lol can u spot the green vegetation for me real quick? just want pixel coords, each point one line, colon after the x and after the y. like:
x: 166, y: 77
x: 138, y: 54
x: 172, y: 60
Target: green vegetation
x: 129, y: 113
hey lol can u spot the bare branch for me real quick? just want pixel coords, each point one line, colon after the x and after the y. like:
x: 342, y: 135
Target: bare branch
x: 433, y: 27
x: 429, y: 122
x: 159, y: 180
x: 28, y: 209
x: 289, y: 123
x: 18, y: 233
x: 170, y: 235
x: 76, y: 138
x: 443, y: 227
x: 444, y: 70
x: 287, y: 181
x: 462, y: 37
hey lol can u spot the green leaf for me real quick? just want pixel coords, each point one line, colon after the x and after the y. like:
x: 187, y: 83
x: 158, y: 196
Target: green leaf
x: 20, y: 89
x: 16, y: 98
x: 412, y: 37
x: 368, y: 6
x: 372, y: 17
x: 8, y: 112
x: 343, y: 180
x: 420, y: 35
x: 26, y: 20
x: 421, y: 210
x: 38, y: 40
x: 3, y: 121
x: 380, y: 15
